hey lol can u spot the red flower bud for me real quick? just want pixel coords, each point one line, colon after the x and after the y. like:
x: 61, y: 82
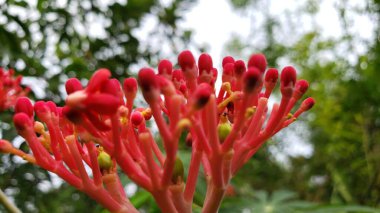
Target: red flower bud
x: 103, y: 103
x: 252, y: 79
x: 136, y: 118
x: 308, y: 103
x: 239, y: 67
x: 41, y: 108
x: 288, y: 76
x: 52, y: 107
x: 97, y: 80
x: 165, y: 67
x: 229, y: 69
x: 22, y: 121
x: 186, y: 60
x: 301, y: 86
x: 259, y: 61
x: 112, y: 87
x: 204, y: 63
x: 227, y: 59
x: 271, y: 76
x: 130, y: 85
x: 24, y: 105
x: 288, y: 79
x: 177, y: 75
x: 73, y: 85
x: 147, y: 79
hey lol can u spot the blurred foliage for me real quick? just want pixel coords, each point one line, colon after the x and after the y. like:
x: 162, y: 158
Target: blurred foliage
x: 283, y: 201
x: 344, y: 127
x: 51, y: 41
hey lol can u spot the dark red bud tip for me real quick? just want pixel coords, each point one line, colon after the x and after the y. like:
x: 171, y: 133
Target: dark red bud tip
x: 22, y: 121
x: 189, y: 140
x: 308, y: 103
x: 72, y: 115
x: 165, y: 67
x: 137, y: 118
x: 259, y: 61
x: 202, y: 95
x: 204, y: 63
x: 147, y: 79
x: 186, y: 60
x: 97, y: 80
x: 24, y: 105
x: 239, y: 67
x: 229, y: 69
x: 227, y: 59
x: 103, y: 103
x: 302, y: 86
x: 271, y: 76
x: 288, y: 76
x: 130, y: 85
x: 252, y: 79
x: 73, y: 85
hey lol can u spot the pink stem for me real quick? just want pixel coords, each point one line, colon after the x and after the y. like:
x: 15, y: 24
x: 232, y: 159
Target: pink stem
x: 94, y: 163
x: 192, y: 176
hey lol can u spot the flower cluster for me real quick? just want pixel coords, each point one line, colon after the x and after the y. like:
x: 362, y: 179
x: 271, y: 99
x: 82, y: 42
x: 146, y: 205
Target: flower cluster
x: 10, y: 89
x: 99, y: 127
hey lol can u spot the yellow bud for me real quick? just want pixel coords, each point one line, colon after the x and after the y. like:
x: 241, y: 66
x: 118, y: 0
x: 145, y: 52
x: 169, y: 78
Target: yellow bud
x: 104, y: 160
x: 39, y: 127
x: 224, y: 130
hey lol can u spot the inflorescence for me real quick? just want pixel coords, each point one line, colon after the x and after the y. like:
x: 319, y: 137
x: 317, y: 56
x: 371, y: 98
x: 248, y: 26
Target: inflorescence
x: 10, y: 89
x: 100, y: 127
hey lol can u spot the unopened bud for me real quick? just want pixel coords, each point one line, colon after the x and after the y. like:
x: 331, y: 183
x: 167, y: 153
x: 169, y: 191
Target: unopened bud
x: 136, y: 118
x: 102, y: 103
x: 239, y: 68
x: 224, y: 130
x: 252, y: 79
x: 186, y: 60
x: 202, y: 95
x: 204, y: 63
x: 73, y: 85
x: 97, y: 80
x: 104, y: 160
x: 288, y: 80
x: 178, y: 172
x: 300, y: 88
x: 227, y: 59
x: 165, y: 67
x: 24, y: 105
x: 308, y: 103
x: 259, y: 61
x: 22, y: 121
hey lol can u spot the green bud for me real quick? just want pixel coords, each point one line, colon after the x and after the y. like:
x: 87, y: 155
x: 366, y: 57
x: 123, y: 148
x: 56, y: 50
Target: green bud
x: 224, y: 130
x: 178, y: 172
x: 104, y: 160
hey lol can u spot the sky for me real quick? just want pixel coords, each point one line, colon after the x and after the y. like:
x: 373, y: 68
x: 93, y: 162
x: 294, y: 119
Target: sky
x: 213, y: 25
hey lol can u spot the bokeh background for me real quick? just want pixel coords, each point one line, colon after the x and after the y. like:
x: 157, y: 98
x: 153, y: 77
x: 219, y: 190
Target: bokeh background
x: 329, y: 161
